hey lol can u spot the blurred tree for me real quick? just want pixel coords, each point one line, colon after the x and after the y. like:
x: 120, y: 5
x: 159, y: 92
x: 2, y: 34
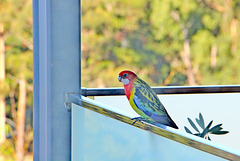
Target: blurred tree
x: 204, y: 34
x: 16, y: 16
x: 2, y: 92
x: 21, y: 120
x: 118, y: 35
x: 167, y: 42
x: 2, y: 82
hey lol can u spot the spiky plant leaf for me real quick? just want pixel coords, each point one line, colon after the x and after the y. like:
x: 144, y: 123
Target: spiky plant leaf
x: 208, y: 138
x: 216, y: 128
x: 187, y: 130
x: 197, y: 134
x: 220, y: 132
x: 193, y: 125
x: 205, y: 131
x: 200, y: 121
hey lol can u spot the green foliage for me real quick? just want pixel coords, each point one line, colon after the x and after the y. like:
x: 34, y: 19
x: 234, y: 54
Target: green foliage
x: 148, y: 37
x: 16, y: 16
x: 7, y: 150
x: 217, y: 130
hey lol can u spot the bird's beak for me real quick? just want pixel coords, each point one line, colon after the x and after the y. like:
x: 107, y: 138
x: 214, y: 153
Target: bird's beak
x: 119, y: 78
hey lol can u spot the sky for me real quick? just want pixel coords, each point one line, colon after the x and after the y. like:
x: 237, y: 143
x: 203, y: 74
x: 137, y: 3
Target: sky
x: 221, y: 108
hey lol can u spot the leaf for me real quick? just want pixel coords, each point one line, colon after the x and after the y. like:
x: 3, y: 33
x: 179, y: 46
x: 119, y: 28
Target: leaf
x: 205, y: 131
x: 193, y: 125
x: 197, y: 134
x: 216, y: 128
x: 201, y: 121
x: 220, y: 132
x: 209, y: 138
x: 187, y: 130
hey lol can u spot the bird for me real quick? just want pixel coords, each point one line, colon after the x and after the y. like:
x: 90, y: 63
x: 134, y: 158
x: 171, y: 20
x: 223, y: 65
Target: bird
x: 144, y: 100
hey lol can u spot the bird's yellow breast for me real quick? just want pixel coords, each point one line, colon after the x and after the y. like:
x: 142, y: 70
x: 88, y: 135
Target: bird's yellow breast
x: 135, y: 108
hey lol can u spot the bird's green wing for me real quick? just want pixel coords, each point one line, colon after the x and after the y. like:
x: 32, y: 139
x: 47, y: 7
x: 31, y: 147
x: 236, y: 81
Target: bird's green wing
x: 146, y: 99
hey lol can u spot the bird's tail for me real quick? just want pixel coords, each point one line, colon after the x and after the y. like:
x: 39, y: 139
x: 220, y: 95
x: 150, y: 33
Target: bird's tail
x: 171, y: 122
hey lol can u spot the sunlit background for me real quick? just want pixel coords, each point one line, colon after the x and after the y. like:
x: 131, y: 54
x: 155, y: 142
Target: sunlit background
x: 16, y: 80
x: 166, y: 42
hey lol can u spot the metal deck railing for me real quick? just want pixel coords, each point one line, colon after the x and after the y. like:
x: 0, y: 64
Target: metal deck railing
x: 165, y: 90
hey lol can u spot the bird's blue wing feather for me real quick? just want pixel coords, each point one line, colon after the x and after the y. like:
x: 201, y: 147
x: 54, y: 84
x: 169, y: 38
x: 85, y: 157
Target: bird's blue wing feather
x: 150, y: 113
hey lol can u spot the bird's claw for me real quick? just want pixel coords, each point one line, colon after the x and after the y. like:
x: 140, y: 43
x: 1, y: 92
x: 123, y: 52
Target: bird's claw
x: 138, y: 119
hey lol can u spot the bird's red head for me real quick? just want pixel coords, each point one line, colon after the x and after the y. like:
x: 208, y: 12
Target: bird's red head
x: 126, y: 77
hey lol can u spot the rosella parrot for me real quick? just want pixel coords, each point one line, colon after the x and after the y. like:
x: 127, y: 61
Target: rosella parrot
x: 144, y: 100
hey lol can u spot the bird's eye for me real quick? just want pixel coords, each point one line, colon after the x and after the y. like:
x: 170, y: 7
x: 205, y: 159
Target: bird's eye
x: 124, y: 75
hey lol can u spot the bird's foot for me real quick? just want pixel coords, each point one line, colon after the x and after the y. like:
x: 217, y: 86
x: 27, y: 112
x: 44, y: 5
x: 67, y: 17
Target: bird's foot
x: 138, y: 119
